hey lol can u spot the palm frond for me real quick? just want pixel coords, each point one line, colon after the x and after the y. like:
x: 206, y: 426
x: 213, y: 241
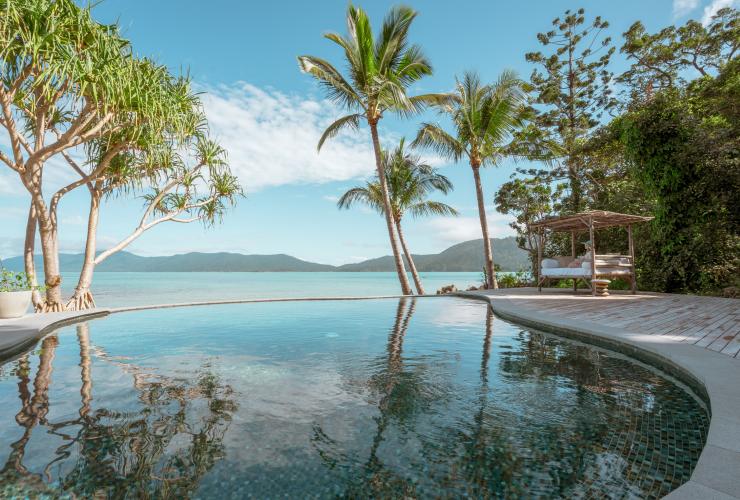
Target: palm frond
x: 349, y: 121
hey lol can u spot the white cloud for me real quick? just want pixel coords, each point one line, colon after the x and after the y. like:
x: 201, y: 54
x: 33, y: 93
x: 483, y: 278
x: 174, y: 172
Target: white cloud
x: 331, y: 198
x: 271, y: 137
x: 683, y: 7
x: 459, y: 229
x: 711, y: 9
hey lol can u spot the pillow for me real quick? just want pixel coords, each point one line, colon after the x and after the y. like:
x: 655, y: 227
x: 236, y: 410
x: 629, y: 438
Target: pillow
x: 564, y: 261
x: 586, y: 265
x: 575, y: 264
x: 549, y: 263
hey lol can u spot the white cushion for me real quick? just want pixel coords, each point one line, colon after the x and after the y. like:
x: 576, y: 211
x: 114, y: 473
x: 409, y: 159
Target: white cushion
x: 565, y: 272
x: 586, y: 265
x: 549, y: 263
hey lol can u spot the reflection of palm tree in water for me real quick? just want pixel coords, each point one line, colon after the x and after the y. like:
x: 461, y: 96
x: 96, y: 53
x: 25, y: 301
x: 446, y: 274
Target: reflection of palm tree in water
x: 129, y: 452
x: 392, y: 378
x: 399, y: 397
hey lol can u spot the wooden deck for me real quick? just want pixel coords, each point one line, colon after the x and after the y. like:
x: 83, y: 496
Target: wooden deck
x: 707, y: 322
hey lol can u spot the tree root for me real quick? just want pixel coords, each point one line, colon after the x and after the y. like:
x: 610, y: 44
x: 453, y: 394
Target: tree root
x: 81, y: 301
x: 45, y: 307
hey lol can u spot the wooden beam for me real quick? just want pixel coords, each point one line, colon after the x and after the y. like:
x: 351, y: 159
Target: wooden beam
x: 540, y: 242
x: 593, y: 253
x: 573, y: 254
x: 633, y: 275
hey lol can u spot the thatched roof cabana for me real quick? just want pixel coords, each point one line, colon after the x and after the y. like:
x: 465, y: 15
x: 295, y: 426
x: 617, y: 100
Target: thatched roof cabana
x: 595, y: 267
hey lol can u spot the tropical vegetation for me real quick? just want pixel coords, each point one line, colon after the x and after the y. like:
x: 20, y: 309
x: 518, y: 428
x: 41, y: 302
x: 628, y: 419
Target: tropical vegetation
x: 485, y: 120
x: 409, y: 183
x: 668, y: 148
x: 70, y: 83
x: 381, y: 69
x: 660, y: 138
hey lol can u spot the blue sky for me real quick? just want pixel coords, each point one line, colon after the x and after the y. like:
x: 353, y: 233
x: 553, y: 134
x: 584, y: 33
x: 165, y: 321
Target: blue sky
x: 268, y: 115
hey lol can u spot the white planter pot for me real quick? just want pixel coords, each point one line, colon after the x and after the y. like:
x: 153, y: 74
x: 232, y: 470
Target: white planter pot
x: 14, y: 304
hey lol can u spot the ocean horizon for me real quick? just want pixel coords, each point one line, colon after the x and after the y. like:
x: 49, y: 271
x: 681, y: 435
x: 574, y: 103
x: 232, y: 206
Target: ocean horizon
x: 122, y: 289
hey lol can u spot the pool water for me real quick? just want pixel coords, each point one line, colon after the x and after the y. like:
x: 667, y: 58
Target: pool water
x: 382, y: 398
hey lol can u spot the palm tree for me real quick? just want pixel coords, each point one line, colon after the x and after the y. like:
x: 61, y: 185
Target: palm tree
x: 485, y: 118
x: 381, y: 68
x: 409, y: 182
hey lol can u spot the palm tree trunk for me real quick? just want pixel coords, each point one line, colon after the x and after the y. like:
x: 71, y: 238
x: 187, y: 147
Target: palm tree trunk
x: 400, y: 269
x: 412, y: 266
x: 487, y: 248
x: 82, y: 297
x: 28, y: 251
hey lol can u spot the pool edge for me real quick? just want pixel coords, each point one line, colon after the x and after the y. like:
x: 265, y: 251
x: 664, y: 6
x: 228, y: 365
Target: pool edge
x: 714, y: 377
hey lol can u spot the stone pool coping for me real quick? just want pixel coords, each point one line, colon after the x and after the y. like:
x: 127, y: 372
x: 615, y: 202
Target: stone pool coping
x: 713, y: 376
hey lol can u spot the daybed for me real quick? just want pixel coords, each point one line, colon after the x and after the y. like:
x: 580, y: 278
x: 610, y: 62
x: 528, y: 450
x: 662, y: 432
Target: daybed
x: 587, y: 268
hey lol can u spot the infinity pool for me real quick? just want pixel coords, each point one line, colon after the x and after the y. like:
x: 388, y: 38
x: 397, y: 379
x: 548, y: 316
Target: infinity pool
x: 426, y: 397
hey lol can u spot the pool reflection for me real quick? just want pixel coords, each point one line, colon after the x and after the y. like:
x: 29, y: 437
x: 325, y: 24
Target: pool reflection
x: 340, y: 402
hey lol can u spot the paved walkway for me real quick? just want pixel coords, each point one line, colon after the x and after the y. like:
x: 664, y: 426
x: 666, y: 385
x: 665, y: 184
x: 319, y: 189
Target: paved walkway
x: 709, y: 322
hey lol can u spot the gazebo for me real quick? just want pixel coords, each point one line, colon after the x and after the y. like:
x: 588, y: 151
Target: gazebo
x: 594, y: 266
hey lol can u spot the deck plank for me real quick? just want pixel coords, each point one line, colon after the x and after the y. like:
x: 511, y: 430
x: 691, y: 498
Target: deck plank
x: 707, y: 322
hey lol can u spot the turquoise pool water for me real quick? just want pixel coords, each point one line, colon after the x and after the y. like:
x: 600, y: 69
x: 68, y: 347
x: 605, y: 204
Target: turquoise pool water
x: 381, y: 398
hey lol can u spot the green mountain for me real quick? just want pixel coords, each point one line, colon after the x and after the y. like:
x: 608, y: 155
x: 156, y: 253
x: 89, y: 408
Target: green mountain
x: 467, y: 256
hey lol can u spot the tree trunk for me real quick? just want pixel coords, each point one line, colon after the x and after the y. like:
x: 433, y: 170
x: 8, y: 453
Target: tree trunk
x: 400, y: 269
x: 487, y: 248
x: 412, y: 266
x: 49, y: 249
x: 28, y: 251
x: 82, y: 297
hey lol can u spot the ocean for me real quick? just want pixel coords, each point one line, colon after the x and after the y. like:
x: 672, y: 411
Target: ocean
x: 118, y: 289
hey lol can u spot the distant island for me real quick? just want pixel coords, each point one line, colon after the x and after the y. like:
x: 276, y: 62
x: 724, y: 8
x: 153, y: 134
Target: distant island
x: 466, y: 256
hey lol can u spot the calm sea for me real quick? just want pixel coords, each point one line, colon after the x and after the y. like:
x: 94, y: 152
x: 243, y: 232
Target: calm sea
x: 133, y: 289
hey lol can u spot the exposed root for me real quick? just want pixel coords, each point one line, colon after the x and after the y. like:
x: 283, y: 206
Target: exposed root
x: 81, y: 301
x: 46, y: 307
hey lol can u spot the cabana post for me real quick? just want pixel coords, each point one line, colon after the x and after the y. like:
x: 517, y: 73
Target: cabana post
x: 594, y: 266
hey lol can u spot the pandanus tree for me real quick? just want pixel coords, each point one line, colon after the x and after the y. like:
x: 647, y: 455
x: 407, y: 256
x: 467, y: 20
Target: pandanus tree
x: 65, y: 82
x: 180, y: 182
x: 409, y: 183
x: 485, y: 119
x: 381, y: 69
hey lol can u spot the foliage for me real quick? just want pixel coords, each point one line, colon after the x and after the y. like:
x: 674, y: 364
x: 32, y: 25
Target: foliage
x: 527, y: 200
x: 666, y: 59
x: 484, y: 118
x: 409, y: 182
x: 682, y: 146
x: 572, y: 90
x: 11, y: 281
x: 514, y: 280
x: 381, y: 69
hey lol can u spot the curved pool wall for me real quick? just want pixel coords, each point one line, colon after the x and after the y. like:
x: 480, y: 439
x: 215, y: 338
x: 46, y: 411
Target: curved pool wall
x: 712, y: 376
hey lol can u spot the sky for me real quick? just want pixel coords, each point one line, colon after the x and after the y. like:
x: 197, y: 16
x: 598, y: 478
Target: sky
x: 269, y: 116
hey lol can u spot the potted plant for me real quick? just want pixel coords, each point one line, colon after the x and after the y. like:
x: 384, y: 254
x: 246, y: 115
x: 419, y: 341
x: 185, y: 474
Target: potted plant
x: 16, y: 289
